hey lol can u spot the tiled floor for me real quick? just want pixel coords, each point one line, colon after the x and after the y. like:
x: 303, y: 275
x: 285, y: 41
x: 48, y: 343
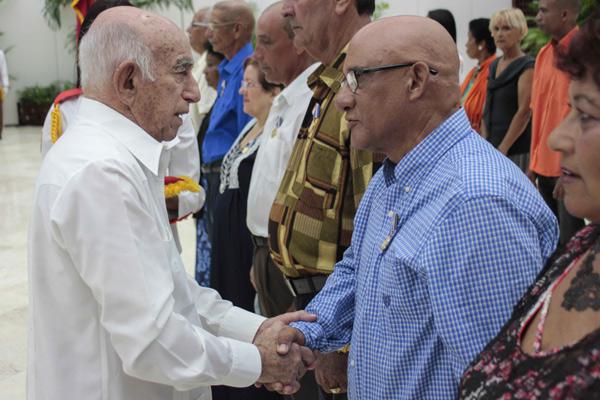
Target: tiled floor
x: 19, y: 163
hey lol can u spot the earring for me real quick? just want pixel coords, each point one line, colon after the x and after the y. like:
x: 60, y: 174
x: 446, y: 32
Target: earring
x: 480, y: 47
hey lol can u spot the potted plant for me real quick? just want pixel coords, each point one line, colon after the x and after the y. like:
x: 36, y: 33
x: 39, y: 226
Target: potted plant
x: 35, y: 101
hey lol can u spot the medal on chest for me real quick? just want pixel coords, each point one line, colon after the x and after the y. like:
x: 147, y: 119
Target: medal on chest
x: 278, y: 123
x: 316, y: 112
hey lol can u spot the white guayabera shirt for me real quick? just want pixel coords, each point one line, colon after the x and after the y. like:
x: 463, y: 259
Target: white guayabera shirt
x: 113, y: 314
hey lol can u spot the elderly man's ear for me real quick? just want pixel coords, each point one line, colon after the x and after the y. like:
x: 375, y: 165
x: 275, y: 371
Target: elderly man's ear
x: 125, y: 82
x: 417, y: 81
x: 238, y: 30
x: 341, y: 6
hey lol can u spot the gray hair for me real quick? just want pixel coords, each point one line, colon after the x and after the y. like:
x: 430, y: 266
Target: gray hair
x: 105, y: 47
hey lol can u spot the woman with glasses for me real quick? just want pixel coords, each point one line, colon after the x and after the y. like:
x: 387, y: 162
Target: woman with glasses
x: 506, y: 116
x: 550, y: 347
x: 232, y: 246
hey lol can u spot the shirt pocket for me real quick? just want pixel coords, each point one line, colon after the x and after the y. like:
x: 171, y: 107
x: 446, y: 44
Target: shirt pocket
x: 404, y: 290
x: 323, y: 171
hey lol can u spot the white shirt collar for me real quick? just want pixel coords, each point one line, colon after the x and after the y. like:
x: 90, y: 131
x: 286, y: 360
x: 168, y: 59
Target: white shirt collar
x: 297, y: 87
x: 139, y: 142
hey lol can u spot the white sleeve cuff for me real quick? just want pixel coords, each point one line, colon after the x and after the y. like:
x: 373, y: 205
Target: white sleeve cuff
x: 240, y: 324
x: 246, y: 367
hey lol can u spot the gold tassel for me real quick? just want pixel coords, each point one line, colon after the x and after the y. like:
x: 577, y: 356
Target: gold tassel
x: 55, y: 128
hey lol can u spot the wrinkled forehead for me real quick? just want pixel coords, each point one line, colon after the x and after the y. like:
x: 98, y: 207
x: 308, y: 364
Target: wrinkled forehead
x: 365, y: 52
x: 169, y: 48
x: 220, y: 15
x: 585, y: 90
x: 202, y: 16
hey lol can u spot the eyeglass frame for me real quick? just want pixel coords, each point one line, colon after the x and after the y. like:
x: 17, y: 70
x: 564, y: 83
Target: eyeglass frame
x: 354, y: 73
x: 212, y: 25
x: 248, y: 85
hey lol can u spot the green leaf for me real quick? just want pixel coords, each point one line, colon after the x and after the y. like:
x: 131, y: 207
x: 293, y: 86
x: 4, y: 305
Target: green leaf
x: 43, y: 95
x: 380, y: 7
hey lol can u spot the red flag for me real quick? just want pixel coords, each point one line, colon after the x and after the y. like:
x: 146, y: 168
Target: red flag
x: 80, y: 7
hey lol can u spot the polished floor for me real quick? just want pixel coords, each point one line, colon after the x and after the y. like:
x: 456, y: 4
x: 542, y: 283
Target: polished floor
x: 19, y: 163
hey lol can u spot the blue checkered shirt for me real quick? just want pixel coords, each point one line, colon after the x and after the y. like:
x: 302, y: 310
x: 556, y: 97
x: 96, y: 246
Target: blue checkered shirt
x: 445, y: 243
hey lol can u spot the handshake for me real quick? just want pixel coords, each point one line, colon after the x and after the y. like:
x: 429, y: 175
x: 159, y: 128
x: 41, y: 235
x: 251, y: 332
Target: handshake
x: 283, y: 355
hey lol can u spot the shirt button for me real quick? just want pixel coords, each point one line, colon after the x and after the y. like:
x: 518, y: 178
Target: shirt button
x: 386, y: 300
x: 352, y: 363
x: 407, y: 189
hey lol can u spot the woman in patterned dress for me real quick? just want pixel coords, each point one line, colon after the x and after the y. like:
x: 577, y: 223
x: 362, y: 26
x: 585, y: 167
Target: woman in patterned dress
x: 550, y: 348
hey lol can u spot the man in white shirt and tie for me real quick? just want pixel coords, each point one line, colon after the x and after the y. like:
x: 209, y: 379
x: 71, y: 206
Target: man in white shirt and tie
x: 113, y: 314
x: 281, y: 63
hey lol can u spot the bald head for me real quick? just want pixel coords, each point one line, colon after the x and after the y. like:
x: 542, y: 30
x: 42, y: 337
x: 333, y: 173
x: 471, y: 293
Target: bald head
x: 571, y: 5
x: 201, y: 14
x: 410, y: 39
x: 273, y: 14
x: 238, y: 11
x: 411, y: 97
x: 279, y: 59
x: 231, y: 27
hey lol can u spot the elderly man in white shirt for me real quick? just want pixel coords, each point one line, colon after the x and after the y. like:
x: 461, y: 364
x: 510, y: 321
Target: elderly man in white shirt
x: 184, y: 156
x: 113, y: 314
x: 197, y: 35
x: 281, y: 63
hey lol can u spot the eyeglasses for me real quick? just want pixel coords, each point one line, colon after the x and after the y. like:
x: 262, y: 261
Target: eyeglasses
x: 353, y: 75
x: 247, y: 85
x: 212, y: 25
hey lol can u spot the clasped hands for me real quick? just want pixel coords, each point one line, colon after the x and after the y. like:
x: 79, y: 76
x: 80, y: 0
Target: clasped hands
x: 284, y: 357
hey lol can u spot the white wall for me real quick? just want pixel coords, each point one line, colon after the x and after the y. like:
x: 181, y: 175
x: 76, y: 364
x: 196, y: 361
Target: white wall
x: 40, y: 55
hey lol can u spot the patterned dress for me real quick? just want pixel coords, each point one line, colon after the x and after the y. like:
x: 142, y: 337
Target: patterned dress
x: 504, y: 371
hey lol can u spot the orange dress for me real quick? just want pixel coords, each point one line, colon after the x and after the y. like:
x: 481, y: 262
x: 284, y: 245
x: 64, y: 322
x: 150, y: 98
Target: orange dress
x: 473, y: 94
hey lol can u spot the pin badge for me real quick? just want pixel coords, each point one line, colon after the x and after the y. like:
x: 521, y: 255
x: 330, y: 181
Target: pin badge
x: 394, y: 225
x: 316, y: 112
x: 278, y: 123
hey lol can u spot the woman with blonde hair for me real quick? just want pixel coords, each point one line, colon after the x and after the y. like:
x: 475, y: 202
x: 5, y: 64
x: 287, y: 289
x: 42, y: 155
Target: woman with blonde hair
x: 506, y: 116
x: 550, y: 347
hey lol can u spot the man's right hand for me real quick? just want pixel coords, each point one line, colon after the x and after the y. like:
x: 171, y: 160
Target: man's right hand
x: 290, y: 340
x: 286, y: 337
x: 283, y: 366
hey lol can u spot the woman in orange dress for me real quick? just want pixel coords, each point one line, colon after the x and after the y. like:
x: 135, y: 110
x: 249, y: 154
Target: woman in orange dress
x: 480, y: 46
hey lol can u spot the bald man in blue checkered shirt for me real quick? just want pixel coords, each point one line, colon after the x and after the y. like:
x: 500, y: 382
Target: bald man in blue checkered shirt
x: 448, y: 236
